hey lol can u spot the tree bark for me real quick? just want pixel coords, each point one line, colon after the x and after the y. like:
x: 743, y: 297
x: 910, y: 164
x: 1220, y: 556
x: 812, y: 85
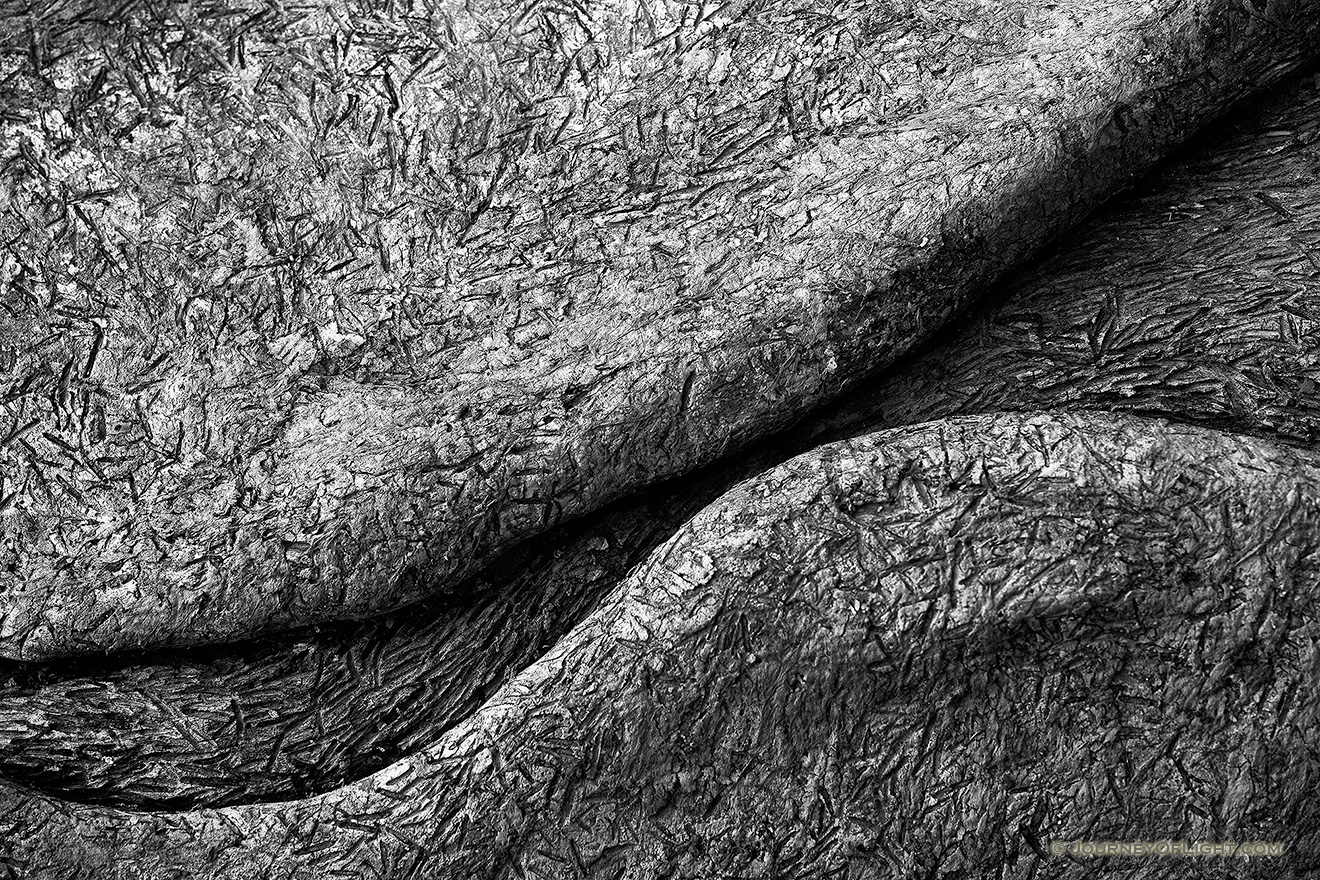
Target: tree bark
x: 315, y: 311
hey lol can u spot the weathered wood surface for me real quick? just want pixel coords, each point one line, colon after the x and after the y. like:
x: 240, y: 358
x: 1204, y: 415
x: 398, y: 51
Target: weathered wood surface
x: 310, y: 311
x: 1022, y: 627
x: 1203, y: 263
x: 1197, y: 296
x: 305, y: 711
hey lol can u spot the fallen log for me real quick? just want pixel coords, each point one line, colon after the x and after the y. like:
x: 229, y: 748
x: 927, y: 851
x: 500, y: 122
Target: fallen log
x: 961, y: 625
x: 313, y: 312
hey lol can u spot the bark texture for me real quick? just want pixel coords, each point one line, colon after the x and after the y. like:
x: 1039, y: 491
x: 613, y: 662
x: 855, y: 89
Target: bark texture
x: 1023, y: 627
x: 315, y: 309
x: 1214, y: 291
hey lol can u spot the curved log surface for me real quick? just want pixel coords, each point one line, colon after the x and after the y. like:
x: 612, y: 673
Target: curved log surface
x: 1194, y: 297
x: 305, y: 712
x: 1024, y: 627
x: 289, y: 716
x: 317, y: 309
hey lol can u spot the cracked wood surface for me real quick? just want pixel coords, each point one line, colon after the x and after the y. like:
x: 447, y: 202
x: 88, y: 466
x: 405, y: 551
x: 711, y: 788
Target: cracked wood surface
x: 949, y: 625
x: 316, y: 311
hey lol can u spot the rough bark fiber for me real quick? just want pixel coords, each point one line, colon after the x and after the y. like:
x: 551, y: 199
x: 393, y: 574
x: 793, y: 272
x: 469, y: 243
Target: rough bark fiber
x: 316, y: 310
x: 1023, y: 627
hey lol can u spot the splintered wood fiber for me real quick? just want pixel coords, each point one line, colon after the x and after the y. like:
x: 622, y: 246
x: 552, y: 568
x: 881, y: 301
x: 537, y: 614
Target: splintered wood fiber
x: 310, y: 311
x: 1211, y: 282
x: 846, y: 657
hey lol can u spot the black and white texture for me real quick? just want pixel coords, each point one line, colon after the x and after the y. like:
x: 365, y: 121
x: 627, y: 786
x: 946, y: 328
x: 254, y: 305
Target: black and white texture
x: 633, y: 439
